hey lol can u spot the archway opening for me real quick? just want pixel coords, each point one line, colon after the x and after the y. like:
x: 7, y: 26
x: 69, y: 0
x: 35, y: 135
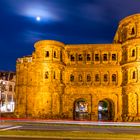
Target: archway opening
x: 105, y: 110
x: 80, y: 110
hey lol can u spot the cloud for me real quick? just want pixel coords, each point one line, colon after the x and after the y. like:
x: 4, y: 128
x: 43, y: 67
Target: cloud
x: 32, y: 8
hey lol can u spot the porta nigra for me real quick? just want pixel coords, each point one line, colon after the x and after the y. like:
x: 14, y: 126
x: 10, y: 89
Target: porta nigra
x: 82, y: 81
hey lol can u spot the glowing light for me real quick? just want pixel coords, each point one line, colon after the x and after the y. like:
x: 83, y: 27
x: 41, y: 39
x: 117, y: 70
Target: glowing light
x: 38, y: 18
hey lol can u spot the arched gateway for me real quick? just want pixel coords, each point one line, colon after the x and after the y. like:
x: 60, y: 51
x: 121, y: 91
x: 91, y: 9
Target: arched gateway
x: 106, y: 110
x: 81, y: 110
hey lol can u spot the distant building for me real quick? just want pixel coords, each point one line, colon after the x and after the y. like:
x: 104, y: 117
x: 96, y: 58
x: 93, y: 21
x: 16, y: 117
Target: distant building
x: 7, y: 91
x: 84, y: 81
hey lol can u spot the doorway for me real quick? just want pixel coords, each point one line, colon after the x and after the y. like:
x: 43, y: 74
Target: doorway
x: 105, y: 110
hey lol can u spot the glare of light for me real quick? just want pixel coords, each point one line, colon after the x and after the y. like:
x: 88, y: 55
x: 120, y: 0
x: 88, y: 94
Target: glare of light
x: 38, y: 18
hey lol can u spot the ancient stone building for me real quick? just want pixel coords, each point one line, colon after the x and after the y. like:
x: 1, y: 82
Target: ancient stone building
x: 84, y: 81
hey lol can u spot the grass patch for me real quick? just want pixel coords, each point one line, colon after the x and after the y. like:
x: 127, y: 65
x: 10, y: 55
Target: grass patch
x: 73, y: 134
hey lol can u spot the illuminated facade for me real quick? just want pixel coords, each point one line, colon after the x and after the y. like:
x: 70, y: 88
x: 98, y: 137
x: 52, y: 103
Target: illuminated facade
x: 7, y: 91
x: 84, y: 81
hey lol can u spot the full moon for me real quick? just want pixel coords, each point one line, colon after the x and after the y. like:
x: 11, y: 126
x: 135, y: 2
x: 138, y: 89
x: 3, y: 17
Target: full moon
x: 38, y: 18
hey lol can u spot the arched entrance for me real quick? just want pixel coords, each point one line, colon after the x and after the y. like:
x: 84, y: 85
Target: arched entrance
x: 105, y: 110
x: 80, y: 110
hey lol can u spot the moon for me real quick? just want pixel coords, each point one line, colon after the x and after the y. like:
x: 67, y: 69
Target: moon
x: 38, y: 18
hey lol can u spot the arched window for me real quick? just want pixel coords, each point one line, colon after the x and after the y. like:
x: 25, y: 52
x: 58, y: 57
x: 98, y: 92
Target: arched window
x: 96, y: 57
x: 114, y: 57
x: 54, y: 75
x: 113, y: 77
x: 54, y: 54
x: 72, y: 58
x: 10, y: 88
x: 132, y: 31
x: 97, y: 78
x: 47, y: 54
x: 88, y: 57
x: 133, y: 75
x: 71, y: 77
x: 46, y: 75
x: 80, y: 79
x: 88, y: 78
x: 105, y: 57
x: 80, y: 58
x: 133, y: 53
x: 61, y: 76
x: 105, y: 77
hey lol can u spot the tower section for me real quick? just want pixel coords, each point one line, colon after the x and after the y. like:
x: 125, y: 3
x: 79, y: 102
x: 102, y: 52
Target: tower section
x: 40, y: 82
x: 49, y: 67
x: 128, y: 34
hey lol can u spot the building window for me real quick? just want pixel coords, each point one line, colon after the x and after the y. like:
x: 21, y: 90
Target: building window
x: 72, y: 57
x: 97, y: 78
x: 47, y: 54
x: 105, y: 77
x: 10, y: 88
x: 54, y: 54
x: 71, y: 77
x: 133, y: 75
x: 54, y: 75
x: 61, y: 57
x: 46, y: 75
x: 132, y: 31
x: 88, y: 78
x: 80, y: 58
x: 96, y: 57
x: 88, y: 57
x: 104, y: 57
x: 133, y: 53
x: 80, y: 79
x: 61, y: 76
x: 113, y: 77
x: 114, y: 58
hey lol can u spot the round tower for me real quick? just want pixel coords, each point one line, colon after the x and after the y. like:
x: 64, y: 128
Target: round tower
x: 49, y: 65
x: 128, y: 34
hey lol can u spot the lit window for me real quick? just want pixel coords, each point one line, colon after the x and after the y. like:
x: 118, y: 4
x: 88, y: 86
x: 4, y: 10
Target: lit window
x: 88, y: 78
x: 47, y: 54
x: 133, y: 53
x: 105, y: 77
x: 97, y: 77
x: 80, y: 58
x: 104, y: 57
x: 46, y: 75
x: 113, y: 57
x: 113, y: 77
x: 72, y: 57
x: 133, y: 75
x: 80, y: 78
x: 96, y: 57
x: 71, y: 77
x: 88, y: 57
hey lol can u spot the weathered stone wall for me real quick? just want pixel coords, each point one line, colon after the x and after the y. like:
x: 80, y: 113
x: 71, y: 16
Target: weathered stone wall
x: 50, y: 83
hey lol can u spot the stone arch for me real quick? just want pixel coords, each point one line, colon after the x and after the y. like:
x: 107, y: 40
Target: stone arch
x: 106, y: 110
x: 80, y: 111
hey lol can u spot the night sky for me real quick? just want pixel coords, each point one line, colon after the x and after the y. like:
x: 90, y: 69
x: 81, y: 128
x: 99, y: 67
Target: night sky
x: 69, y: 21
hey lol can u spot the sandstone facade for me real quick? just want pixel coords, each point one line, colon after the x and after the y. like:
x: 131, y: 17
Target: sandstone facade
x: 72, y: 81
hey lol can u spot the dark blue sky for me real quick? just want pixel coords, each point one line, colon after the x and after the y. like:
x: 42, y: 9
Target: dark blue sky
x: 69, y: 21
